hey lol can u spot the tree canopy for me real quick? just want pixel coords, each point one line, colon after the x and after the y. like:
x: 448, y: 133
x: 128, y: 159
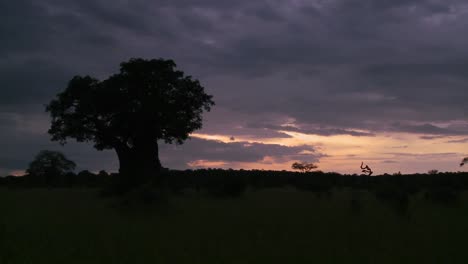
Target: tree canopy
x: 50, y: 164
x: 147, y: 97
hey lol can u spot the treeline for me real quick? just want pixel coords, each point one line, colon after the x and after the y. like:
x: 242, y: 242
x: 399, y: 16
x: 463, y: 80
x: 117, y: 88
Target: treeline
x: 220, y: 182
x: 438, y: 187
x: 57, y: 180
x: 395, y: 191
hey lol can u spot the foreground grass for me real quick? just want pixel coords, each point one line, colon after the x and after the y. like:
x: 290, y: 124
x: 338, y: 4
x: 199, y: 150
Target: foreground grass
x: 269, y: 226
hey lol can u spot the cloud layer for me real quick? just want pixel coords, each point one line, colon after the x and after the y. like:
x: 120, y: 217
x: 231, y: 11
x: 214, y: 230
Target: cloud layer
x: 325, y: 68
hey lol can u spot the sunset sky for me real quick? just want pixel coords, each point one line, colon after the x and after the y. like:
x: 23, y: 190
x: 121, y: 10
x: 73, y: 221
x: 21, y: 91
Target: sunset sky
x: 335, y: 82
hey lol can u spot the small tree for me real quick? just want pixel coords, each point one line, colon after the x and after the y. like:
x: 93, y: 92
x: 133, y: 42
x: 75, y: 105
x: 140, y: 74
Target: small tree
x: 49, y: 165
x: 432, y: 172
x: 303, y: 166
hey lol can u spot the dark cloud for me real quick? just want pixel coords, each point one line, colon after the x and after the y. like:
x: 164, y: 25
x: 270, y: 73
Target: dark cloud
x: 334, y: 67
x: 237, y: 125
x: 400, y: 147
x: 463, y: 140
x: 23, y: 136
x: 233, y: 152
x: 310, y: 130
x: 456, y: 68
x: 31, y: 82
x: 430, y: 137
x: 424, y: 155
x: 428, y: 129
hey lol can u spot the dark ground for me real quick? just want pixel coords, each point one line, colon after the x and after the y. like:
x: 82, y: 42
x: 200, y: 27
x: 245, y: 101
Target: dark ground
x: 265, y: 226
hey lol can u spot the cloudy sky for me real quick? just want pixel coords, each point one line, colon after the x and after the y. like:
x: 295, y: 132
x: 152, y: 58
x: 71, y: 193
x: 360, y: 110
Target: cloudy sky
x: 334, y: 82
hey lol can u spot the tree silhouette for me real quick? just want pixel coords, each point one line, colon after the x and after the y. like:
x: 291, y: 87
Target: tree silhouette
x: 147, y: 101
x: 49, y: 165
x: 303, y: 166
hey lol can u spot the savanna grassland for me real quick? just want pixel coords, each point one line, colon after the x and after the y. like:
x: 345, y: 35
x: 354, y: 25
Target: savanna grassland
x: 280, y: 225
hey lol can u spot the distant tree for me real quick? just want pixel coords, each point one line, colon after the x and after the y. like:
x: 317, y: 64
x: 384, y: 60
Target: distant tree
x: 303, y: 166
x: 147, y: 101
x: 465, y: 160
x: 49, y: 165
x: 432, y: 172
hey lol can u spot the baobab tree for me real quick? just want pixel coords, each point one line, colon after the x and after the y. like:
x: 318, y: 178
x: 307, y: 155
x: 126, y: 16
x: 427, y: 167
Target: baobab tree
x: 147, y: 101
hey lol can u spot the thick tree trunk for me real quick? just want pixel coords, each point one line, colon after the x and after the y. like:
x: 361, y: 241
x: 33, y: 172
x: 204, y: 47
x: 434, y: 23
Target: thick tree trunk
x: 139, y: 164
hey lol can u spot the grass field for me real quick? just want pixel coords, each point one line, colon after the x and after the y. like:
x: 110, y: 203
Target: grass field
x: 268, y: 226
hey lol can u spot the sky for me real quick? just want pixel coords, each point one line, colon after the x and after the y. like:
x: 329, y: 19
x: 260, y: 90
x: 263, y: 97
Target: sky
x: 334, y: 82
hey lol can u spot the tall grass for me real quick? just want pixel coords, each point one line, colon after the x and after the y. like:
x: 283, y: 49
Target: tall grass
x: 266, y: 226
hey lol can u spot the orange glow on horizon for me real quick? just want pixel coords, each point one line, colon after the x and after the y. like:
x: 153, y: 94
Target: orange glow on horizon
x: 384, y: 152
x: 18, y: 173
